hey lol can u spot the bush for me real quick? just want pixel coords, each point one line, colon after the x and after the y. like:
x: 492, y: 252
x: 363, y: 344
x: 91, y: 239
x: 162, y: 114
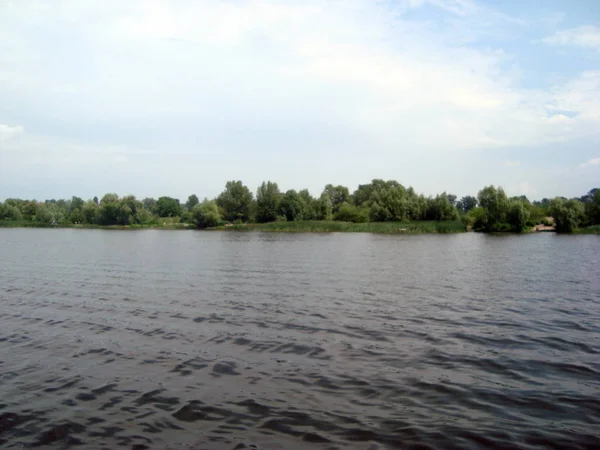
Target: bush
x: 206, y: 215
x: 351, y: 213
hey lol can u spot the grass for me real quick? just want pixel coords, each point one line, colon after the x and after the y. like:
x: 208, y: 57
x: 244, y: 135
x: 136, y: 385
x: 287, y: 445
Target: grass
x: 326, y: 226
x: 167, y: 223
x: 594, y: 229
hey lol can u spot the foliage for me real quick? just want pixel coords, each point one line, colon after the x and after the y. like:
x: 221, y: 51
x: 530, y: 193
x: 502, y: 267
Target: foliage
x: 206, y: 214
x: 495, y: 203
x: 567, y: 214
x: 236, y: 201
x: 352, y: 213
x: 380, y: 201
x: 292, y: 206
x: 518, y: 216
x: 466, y: 204
x: 191, y: 202
x: 267, y: 202
x: 324, y: 226
x: 168, y: 207
x: 10, y: 212
x: 337, y: 195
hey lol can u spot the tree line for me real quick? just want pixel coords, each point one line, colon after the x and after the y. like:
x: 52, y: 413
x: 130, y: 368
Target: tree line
x: 377, y: 201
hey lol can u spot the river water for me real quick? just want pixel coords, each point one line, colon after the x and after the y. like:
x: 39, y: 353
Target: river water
x: 228, y: 340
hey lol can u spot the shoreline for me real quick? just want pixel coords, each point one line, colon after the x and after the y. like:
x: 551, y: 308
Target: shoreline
x: 417, y: 227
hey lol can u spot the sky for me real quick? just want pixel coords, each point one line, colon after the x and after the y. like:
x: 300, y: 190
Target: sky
x: 176, y: 97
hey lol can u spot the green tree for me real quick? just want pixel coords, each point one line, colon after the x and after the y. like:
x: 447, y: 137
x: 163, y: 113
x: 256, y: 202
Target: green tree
x: 592, y: 207
x: 292, y: 206
x: 518, y: 215
x: 168, y: 207
x: 10, y: 212
x: 337, y: 195
x: 76, y: 203
x: 236, y: 202
x: 323, y: 208
x: 49, y: 213
x: 90, y: 212
x: 191, y: 202
x: 441, y: 208
x: 268, y: 198
x: 567, y: 214
x: 206, y: 214
x: 495, y: 202
x: 76, y: 216
x: 352, y: 213
x: 466, y: 204
x: 149, y: 204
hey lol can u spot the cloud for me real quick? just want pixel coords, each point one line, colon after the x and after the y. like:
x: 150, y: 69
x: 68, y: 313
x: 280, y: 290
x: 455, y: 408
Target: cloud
x: 591, y: 162
x: 586, y: 36
x: 511, y: 163
x: 8, y: 132
x: 357, y: 84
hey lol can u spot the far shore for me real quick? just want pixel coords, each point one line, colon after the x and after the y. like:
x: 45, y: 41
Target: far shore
x: 303, y: 226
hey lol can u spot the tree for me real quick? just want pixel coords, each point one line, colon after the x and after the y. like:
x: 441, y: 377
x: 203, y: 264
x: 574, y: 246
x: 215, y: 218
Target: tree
x: 168, y: 207
x: 323, y: 208
x: 191, y: 202
x: 10, y: 212
x: 149, y: 204
x: 466, y: 204
x: 495, y: 202
x: 592, y: 207
x: 236, y: 202
x: 206, y: 214
x: 90, y: 212
x: 567, y: 214
x: 518, y: 215
x: 441, y: 208
x: 76, y: 203
x: 337, y: 195
x: 268, y: 198
x: 352, y: 213
x: 49, y: 213
x: 292, y: 206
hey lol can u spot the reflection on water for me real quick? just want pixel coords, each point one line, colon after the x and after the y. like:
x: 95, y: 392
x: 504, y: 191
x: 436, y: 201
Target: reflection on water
x: 210, y: 340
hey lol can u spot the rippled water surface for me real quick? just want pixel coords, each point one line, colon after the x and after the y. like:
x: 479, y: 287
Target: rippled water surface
x: 223, y: 340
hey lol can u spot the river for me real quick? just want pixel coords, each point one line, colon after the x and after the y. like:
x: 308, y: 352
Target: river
x: 157, y: 339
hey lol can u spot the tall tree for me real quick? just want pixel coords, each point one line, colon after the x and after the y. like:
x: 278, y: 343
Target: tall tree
x: 495, y: 202
x: 236, y: 201
x: 292, y: 206
x: 268, y: 198
x: 466, y: 204
x: 337, y: 195
x: 168, y: 207
x: 191, y: 202
x: 567, y: 214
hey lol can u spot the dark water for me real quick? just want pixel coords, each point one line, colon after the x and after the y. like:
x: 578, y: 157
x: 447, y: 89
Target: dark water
x: 200, y: 340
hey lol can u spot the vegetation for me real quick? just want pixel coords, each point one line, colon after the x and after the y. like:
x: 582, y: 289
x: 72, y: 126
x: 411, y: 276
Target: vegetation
x: 379, y: 206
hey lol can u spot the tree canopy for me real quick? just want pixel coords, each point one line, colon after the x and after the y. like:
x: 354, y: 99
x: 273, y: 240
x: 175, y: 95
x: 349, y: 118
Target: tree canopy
x: 377, y: 201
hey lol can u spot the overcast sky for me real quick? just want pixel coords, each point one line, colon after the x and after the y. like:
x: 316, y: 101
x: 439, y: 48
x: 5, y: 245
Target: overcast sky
x: 173, y: 97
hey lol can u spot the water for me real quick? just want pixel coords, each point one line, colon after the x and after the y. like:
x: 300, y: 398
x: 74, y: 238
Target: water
x: 219, y: 340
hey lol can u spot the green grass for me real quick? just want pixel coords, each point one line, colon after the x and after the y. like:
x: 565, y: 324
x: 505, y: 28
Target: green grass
x: 594, y: 229
x: 169, y: 223
x: 325, y: 226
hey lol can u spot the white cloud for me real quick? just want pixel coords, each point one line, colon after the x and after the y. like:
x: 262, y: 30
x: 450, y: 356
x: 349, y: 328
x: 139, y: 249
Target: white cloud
x: 591, y: 162
x: 8, y: 132
x: 511, y: 163
x: 352, y: 81
x: 587, y: 36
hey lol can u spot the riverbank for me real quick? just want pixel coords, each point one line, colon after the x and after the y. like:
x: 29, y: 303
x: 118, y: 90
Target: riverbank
x: 302, y: 226
x: 155, y: 226
x: 328, y: 226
